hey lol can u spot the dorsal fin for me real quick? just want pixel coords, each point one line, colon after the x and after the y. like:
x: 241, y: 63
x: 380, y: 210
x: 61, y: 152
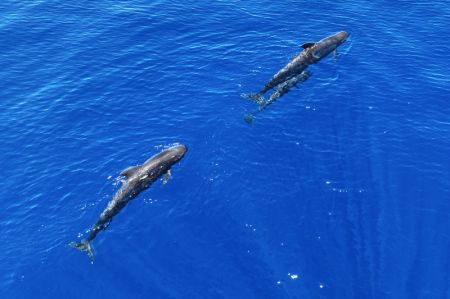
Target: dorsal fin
x: 127, y: 172
x: 308, y: 45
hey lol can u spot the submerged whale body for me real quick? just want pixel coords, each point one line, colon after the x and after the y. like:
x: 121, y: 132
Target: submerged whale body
x: 137, y: 179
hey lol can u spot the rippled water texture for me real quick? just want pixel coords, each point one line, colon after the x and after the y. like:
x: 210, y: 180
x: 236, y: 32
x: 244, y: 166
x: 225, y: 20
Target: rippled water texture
x: 340, y: 189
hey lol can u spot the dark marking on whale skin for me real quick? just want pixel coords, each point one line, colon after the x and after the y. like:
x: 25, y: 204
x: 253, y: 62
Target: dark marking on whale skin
x: 137, y: 179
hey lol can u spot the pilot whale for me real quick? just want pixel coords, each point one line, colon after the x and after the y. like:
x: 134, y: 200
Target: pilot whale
x: 312, y: 53
x: 137, y: 179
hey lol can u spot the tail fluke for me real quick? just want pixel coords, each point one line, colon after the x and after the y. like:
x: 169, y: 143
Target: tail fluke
x: 257, y: 97
x: 84, y: 246
x: 249, y: 118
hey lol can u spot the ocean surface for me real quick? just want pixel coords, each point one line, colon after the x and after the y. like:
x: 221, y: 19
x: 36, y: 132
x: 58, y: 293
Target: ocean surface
x: 339, y: 189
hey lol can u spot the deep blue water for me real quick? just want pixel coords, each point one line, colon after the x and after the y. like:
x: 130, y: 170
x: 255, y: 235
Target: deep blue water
x: 340, y: 189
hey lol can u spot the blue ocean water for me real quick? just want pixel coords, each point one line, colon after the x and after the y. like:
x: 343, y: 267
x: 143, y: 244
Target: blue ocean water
x: 340, y: 189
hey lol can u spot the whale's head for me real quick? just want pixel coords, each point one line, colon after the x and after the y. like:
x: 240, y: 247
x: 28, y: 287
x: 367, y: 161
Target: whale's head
x: 167, y: 157
x: 340, y: 37
x: 160, y: 163
x: 177, y: 152
x: 170, y: 156
x: 328, y: 45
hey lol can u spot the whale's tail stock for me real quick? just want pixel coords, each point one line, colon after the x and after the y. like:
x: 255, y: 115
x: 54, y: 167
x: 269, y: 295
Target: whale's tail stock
x: 257, y: 97
x: 84, y: 245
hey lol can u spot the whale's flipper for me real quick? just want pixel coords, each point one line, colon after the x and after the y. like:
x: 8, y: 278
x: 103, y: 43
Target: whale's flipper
x: 335, y: 55
x: 257, y: 97
x: 84, y: 246
x: 249, y: 118
x: 167, y: 177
